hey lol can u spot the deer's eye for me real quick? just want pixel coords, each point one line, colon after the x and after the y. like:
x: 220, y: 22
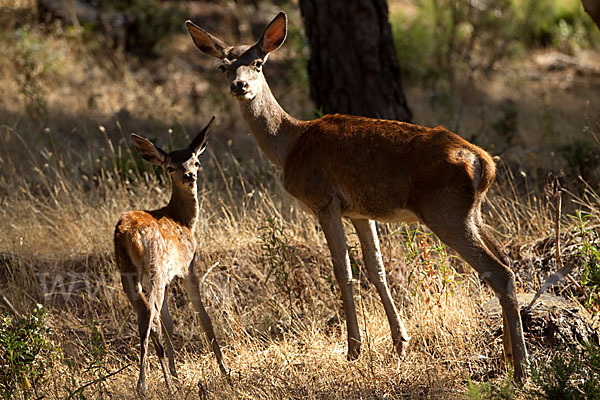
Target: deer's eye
x: 170, y: 169
x: 222, y: 68
x: 197, y: 164
x: 257, y: 64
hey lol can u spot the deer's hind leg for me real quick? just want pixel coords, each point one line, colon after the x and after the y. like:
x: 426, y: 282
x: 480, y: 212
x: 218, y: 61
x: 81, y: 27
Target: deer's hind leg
x: 149, y: 325
x: 463, y: 234
x: 156, y: 298
x: 493, y: 246
x: 167, y: 324
x: 132, y: 286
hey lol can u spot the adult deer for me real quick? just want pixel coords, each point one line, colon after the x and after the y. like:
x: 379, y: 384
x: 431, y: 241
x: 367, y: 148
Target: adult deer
x: 371, y: 169
x: 158, y: 246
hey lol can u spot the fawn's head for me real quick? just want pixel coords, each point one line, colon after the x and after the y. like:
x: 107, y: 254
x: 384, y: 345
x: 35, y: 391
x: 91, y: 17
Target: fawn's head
x: 242, y: 65
x: 182, y: 165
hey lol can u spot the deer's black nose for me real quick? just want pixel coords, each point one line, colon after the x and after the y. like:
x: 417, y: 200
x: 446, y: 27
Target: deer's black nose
x: 189, y: 177
x: 239, y: 87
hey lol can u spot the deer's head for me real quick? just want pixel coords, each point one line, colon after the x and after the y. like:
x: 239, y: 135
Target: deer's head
x: 242, y: 65
x: 182, y: 165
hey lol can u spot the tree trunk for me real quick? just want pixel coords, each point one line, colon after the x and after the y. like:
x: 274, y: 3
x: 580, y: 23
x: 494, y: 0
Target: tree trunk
x: 353, y: 67
x: 592, y: 7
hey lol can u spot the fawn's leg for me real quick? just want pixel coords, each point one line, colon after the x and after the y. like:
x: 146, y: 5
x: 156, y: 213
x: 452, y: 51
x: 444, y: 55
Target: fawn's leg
x: 192, y: 287
x: 156, y: 299
x: 167, y: 323
x: 133, y: 288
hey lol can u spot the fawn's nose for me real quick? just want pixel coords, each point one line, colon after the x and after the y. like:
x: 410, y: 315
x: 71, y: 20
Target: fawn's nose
x: 189, y: 177
x: 239, y: 87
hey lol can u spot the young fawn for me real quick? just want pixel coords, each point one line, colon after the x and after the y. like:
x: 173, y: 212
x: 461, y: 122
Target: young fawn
x: 158, y: 246
x: 371, y: 169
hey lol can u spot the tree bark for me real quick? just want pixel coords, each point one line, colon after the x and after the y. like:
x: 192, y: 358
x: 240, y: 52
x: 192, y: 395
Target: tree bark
x: 353, y: 67
x: 592, y: 7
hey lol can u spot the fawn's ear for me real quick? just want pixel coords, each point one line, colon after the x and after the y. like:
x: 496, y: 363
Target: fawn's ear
x: 148, y: 150
x: 198, y: 145
x: 207, y: 43
x: 274, y: 34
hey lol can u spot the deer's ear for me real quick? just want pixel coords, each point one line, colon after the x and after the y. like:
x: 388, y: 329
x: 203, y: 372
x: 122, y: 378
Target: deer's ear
x: 148, y: 150
x: 274, y: 34
x: 198, y: 145
x: 207, y: 43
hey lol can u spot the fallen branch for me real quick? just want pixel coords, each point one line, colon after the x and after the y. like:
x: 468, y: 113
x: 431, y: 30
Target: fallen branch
x: 93, y: 382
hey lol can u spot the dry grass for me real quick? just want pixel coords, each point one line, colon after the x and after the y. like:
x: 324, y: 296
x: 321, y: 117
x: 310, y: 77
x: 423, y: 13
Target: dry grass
x: 57, y: 250
x: 66, y: 177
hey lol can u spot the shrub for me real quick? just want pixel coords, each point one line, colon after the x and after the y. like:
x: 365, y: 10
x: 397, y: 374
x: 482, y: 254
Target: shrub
x: 280, y: 255
x: 432, y: 270
x: 147, y: 22
x: 573, y: 374
x: 505, y: 390
x: 25, y: 352
x: 567, y: 374
x: 448, y: 36
x: 582, y: 158
x: 32, y: 58
x: 444, y: 37
x: 590, y: 252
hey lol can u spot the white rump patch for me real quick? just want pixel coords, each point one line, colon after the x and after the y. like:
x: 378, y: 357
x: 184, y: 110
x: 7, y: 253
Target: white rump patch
x: 468, y: 156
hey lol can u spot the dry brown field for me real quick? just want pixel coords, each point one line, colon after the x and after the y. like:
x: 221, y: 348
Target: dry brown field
x: 67, y: 171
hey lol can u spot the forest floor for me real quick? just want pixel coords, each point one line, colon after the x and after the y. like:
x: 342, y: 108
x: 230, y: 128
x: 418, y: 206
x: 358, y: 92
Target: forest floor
x: 67, y: 172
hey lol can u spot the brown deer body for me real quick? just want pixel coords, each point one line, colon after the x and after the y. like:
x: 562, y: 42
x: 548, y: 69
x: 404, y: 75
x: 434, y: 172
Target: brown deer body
x: 369, y: 169
x: 157, y: 246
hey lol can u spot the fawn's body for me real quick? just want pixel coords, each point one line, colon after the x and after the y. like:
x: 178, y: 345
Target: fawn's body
x: 157, y: 246
x: 368, y: 169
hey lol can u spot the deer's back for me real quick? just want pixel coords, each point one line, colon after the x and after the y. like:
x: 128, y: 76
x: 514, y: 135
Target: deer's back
x: 155, y: 245
x: 380, y: 167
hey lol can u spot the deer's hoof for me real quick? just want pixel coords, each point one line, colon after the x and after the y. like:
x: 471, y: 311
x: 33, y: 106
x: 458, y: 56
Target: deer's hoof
x: 142, y: 388
x: 401, y: 346
x: 353, y: 350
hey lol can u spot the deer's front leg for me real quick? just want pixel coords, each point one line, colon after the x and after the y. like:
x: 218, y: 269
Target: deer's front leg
x: 367, y: 234
x: 192, y: 287
x: 333, y: 229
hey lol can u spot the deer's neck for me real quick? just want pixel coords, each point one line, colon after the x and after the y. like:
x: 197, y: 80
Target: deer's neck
x: 183, y: 206
x: 274, y: 129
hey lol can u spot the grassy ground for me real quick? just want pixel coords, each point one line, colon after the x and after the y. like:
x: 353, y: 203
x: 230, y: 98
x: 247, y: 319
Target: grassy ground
x: 67, y: 173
